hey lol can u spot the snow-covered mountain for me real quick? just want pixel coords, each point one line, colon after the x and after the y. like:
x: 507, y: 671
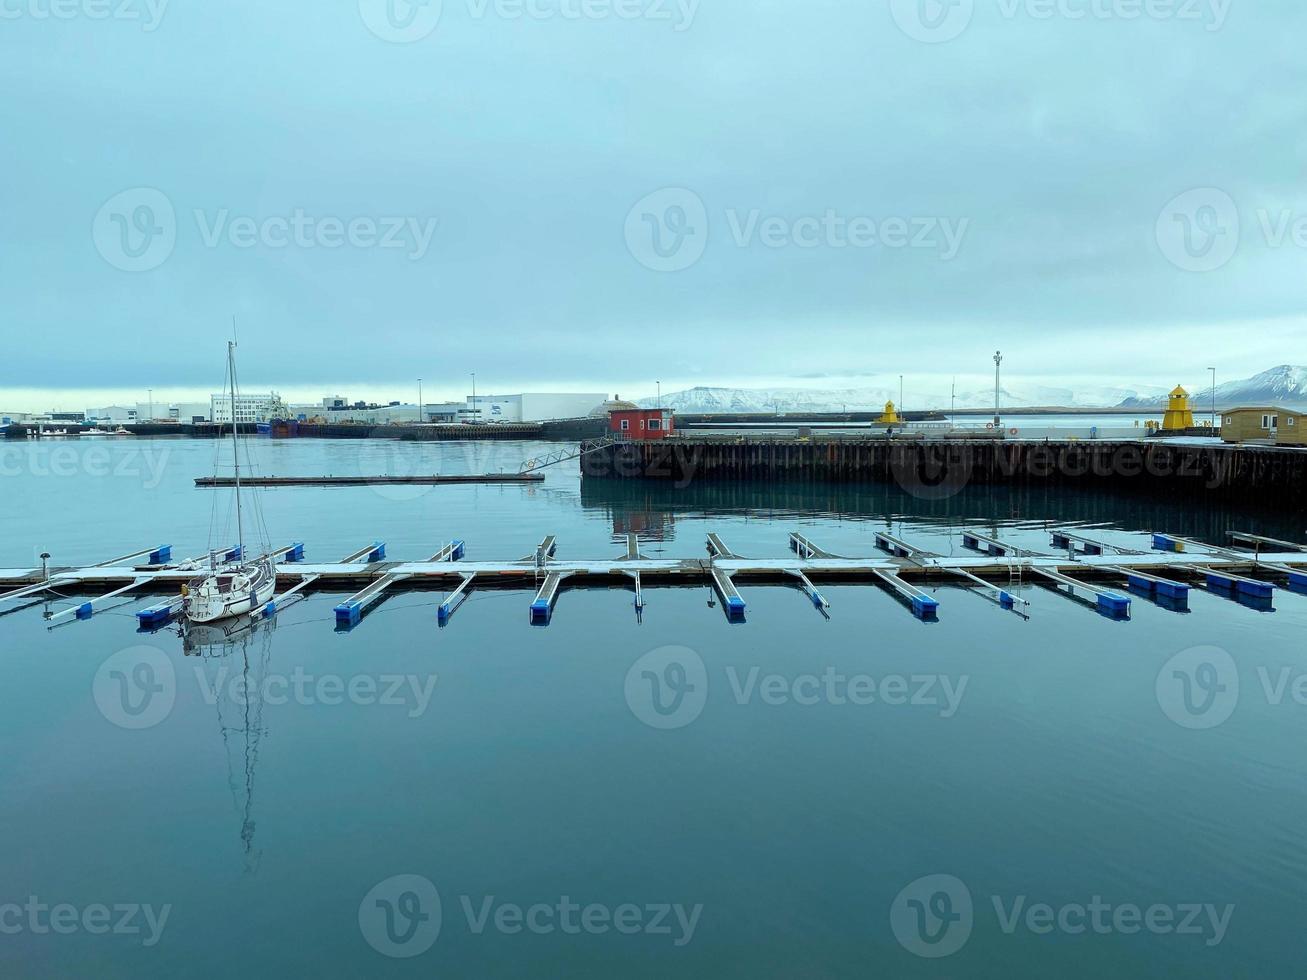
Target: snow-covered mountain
x: 715, y: 401
x: 1283, y: 386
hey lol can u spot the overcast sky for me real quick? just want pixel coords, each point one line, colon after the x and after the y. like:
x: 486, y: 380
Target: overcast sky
x: 594, y: 194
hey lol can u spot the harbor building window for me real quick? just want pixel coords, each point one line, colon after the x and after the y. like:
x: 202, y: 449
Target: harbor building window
x: 655, y: 423
x: 626, y: 424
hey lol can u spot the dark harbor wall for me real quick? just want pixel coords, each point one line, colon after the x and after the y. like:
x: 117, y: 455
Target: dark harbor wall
x: 936, y: 470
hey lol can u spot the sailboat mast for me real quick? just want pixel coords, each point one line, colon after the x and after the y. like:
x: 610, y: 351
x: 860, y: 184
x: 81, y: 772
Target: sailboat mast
x: 235, y: 445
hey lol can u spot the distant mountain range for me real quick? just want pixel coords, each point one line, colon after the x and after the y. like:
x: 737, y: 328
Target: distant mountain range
x: 1285, y: 385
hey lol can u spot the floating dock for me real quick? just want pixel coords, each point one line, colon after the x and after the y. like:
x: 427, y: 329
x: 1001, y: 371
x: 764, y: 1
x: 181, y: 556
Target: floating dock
x: 366, y: 481
x: 909, y: 573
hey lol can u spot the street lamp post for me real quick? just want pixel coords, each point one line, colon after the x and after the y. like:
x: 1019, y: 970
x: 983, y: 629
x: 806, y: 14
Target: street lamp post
x: 150, y: 395
x: 1213, y: 370
x: 476, y: 412
x: 660, y: 395
x: 998, y: 364
x: 421, y: 414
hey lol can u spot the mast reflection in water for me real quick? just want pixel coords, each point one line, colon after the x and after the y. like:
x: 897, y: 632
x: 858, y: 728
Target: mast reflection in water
x: 243, y: 645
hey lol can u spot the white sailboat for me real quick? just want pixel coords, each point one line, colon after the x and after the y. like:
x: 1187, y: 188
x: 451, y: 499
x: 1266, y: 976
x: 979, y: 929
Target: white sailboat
x: 232, y: 589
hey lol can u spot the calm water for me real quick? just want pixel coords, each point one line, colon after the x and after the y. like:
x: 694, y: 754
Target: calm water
x: 787, y: 820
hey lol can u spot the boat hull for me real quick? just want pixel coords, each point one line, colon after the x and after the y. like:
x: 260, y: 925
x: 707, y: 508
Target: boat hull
x: 211, y: 603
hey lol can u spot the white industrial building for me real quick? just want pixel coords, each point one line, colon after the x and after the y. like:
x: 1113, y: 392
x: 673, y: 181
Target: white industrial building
x: 533, y: 407
x: 112, y: 413
x: 249, y: 408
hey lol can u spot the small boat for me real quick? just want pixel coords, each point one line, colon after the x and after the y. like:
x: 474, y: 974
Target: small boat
x: 89, y: 433
x: 235, y: 589
x: 120, y: 431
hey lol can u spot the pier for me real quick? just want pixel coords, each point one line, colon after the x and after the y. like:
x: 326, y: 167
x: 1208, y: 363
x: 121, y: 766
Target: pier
x: 366, y: 481
x: 910, y: 573
x: 939, y: 469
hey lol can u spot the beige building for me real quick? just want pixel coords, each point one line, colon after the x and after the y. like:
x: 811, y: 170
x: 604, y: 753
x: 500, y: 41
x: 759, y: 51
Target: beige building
x: 1267, y: 425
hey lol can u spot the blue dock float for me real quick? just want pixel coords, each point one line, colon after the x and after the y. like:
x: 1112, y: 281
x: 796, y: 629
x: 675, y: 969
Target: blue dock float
x: 1165, y: 542
x: 160, y: 613
x: 542, y: 607
x: 445, y: 611
x: 350, y: 612
x: 924, y: 606
x: 732, y: 602
x: 1079, y: 544
x: 1229, y: 582
x: 1298, y: 582
x: 1153, y: 584
x: 296, y: 552
x: 896, y: 547
x: 1110, y: 604
x: 161, y: 555
x: 981, y: 542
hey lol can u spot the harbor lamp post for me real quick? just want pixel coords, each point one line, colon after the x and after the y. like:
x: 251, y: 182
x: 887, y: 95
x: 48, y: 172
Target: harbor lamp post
x: 476, y: 412
x: 998, y: 366
x: 1213, y: 370
x: 900, y: 396
x: 660, y: 394
x: 421, y: 414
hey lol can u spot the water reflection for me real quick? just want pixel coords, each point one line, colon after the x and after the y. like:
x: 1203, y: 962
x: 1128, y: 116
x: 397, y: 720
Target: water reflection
x: 234, y: 658
x: 655, y: 504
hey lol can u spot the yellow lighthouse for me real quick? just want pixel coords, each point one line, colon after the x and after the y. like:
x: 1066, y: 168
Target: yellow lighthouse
x: 890, y: 416
x: 1178, y: 413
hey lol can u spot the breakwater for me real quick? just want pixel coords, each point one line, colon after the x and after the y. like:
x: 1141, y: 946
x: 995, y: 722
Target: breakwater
x: 937, y: 470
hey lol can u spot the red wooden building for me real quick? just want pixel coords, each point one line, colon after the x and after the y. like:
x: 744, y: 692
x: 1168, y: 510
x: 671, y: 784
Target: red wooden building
x: 641, y: 423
